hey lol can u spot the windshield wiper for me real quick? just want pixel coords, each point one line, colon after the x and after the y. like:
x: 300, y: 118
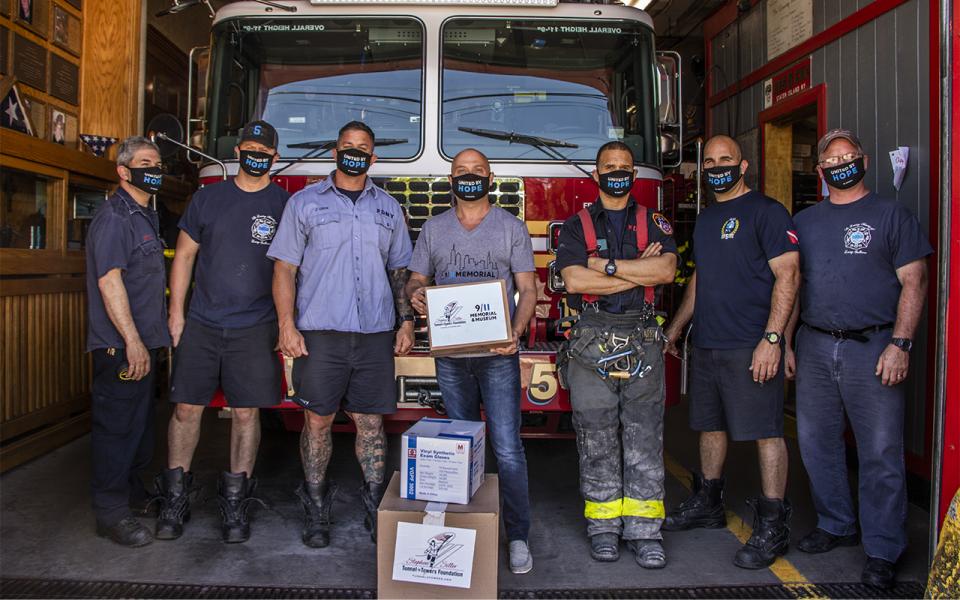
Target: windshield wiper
x: 545, y: 145
x: 320, y: 147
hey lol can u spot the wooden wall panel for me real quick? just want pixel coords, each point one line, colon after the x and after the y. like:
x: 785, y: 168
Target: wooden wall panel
x: 46, y: 372
x: 110, y: 68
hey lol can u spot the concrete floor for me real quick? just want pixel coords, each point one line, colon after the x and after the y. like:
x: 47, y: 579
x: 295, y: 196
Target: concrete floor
x: 46, y: 526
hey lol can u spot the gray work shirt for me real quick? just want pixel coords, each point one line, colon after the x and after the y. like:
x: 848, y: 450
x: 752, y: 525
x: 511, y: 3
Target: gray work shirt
x: 343, y: 251
x: 124, y: 235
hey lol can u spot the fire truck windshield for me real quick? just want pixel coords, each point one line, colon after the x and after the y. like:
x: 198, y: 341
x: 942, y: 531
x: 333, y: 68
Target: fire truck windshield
x: 307, y: 77
x: 585, y: 82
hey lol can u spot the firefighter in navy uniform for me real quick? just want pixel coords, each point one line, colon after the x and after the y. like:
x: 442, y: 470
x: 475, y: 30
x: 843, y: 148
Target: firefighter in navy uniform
x: 612, y: 363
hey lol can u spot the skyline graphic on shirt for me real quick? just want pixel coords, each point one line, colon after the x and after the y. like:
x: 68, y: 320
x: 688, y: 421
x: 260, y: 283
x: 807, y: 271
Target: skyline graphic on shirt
x: 464, y: 265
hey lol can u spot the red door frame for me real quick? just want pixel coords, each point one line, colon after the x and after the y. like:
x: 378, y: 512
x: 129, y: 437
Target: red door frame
x: 950, y: 471
x: 816, y: 95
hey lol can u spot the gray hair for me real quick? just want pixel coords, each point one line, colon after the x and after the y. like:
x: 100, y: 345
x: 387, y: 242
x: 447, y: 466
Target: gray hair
x: 129, y: 147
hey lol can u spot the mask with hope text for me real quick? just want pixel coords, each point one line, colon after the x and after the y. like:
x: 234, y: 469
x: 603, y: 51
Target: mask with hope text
x: 353, y: 162
x: 255, y: 164
x: 844, y: 176
x: 722, y: 179
x: 148, y: 179
x: 470, y: 187
x: 616, y: 183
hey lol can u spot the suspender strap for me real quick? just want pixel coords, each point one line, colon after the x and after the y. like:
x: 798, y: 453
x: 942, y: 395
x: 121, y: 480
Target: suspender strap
x: 642, y: 240
x: 590, y: 241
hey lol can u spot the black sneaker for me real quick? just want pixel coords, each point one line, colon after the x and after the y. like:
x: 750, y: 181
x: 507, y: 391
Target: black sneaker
x: 879, y: 573
x: 819, y: 541
x: 128, y: 532
x: 704, y: 507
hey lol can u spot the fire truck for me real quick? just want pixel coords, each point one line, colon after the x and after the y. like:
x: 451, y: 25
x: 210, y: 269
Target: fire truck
x: 536, y: 85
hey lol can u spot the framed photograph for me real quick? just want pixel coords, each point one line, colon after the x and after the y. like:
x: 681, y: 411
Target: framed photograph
x: 58, y: 127
x: 36, y: 110
x: 66, y: 30
x: 86, y: 202
x: 25, y: 11
x: 32, y: 14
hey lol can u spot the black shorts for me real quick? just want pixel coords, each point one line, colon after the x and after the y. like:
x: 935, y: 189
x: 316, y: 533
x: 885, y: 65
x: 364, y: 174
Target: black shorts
x: 353, y: 371
x: 724, y: 397
x: 242, y: 362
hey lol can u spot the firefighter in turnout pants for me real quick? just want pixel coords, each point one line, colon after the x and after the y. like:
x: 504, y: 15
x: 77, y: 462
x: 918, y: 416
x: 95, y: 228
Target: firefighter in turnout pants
x: 612, y: 255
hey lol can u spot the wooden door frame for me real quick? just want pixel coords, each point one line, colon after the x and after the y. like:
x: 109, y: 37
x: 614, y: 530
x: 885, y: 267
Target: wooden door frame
x: 816, y: 95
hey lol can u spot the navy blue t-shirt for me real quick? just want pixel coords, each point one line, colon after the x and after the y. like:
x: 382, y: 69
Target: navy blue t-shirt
x: 733, y: 242
x: 849, y: 256
x: 233, y: 275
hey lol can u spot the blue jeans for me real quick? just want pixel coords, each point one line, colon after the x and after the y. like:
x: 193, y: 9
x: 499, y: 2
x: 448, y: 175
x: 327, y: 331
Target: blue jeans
x: 494, y: 381
x: 835, y: 377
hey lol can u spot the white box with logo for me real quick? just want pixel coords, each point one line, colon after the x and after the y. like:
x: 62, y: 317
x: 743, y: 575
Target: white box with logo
x: 442, y: 460
x: 468, y: 317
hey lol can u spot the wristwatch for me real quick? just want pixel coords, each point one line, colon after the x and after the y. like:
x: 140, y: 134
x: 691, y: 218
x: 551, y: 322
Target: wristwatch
x: 773, y: 337
x: 407, y: 319
x: 610, y: 268
x: 905, y: 344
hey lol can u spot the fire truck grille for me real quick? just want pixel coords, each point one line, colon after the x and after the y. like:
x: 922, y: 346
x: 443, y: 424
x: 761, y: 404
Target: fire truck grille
x: 425, y: 197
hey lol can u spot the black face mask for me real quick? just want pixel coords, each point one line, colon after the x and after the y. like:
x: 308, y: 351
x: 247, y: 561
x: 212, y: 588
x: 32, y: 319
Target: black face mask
x: 722, y: 179
x: 148, y: 179
x: 353, y: 162
x: 470, y: 187
x: 255, y: 164
x: 845, y: 176
x: 616, y: 183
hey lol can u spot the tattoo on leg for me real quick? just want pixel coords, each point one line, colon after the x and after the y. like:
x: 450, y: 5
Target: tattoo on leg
x: 398, y: 281
x: 371, y: 446
x: 316, y: 446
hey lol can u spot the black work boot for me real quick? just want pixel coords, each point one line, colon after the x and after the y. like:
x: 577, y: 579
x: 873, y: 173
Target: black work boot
x: 235, y: 499
x: 127, y: 532
x: 371, y: 493
x: 771, y: 533
x: 605, y: 547
x: 704, y: 507
x: 173, y: 495
x: 317, y: 499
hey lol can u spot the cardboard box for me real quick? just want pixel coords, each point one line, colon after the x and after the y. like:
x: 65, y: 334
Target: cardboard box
x: 443, y: 460
x: 468, y: 317
x: 455, y: 522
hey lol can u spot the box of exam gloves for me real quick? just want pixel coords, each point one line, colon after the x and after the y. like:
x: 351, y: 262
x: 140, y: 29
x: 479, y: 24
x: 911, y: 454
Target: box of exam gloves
x: 442, y: 460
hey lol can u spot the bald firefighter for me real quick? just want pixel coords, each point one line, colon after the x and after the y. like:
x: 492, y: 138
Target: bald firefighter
x: 612, y: 255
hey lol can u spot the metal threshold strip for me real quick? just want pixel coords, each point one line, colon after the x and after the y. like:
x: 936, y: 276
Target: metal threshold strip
x: 54, y: 588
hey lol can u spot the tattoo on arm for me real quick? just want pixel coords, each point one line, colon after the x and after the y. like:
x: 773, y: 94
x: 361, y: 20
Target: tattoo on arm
x: 398, y: 283
x: 315, y: 450
x: 371, y: 446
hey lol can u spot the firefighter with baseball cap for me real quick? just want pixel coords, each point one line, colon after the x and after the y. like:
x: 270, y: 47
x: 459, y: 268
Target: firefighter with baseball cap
x: 612, y: 255
x: 227, y: 337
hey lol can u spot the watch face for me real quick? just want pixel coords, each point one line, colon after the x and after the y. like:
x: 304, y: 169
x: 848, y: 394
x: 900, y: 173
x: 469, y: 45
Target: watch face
x: 773, y: 337
x: 611, y: 268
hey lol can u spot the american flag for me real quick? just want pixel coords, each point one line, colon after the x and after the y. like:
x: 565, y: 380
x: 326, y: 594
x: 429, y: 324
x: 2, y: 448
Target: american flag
x: 12, y: 113
x: 98, y: 144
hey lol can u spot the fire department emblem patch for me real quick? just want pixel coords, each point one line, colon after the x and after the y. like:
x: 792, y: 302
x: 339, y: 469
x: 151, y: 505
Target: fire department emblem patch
x: 662, y: 222
x: 856, y: 238
x: 730, y: 228
x: 263, y: 229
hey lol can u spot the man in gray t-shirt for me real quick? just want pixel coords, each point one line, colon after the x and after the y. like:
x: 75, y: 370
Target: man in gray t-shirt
x: 476, y: 241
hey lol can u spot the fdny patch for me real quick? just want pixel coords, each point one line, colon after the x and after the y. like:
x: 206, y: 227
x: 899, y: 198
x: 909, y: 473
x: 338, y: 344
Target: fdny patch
x: 662, y: 222
x: 792, y: 236
x: 263, y: 229
x: 730, y: 228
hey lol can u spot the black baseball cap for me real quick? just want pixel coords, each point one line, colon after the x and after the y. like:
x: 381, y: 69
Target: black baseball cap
x: 261, y: 132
